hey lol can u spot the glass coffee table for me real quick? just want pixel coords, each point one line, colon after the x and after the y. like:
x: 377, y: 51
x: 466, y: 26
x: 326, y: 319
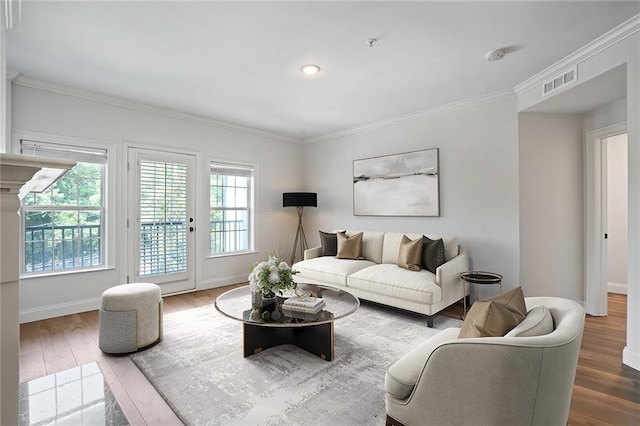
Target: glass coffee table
x: 311, y: 332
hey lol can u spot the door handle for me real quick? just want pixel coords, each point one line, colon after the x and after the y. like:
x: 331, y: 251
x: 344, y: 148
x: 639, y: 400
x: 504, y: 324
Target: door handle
x: 192, y: 228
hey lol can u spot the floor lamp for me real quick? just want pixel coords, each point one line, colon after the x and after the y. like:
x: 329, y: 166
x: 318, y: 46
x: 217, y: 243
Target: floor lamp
x: 299, y: 200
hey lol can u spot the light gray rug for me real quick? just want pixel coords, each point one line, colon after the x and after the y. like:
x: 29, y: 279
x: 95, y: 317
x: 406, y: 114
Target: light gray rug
x: 199, y: 370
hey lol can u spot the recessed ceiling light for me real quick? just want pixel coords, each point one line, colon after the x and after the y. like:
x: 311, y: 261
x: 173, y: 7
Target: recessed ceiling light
x: 310, y: 69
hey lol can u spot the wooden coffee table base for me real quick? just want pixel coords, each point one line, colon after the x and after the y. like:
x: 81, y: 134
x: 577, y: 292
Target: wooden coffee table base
x: 316, y: 339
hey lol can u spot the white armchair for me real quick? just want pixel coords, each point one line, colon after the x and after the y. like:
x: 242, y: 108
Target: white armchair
x: 490, y: 380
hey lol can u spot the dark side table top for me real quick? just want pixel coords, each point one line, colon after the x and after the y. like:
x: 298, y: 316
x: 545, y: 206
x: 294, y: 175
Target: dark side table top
x: 481, y: 277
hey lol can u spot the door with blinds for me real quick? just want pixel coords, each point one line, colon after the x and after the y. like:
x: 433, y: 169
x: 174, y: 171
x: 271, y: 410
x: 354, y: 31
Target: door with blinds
x: 161, y: 219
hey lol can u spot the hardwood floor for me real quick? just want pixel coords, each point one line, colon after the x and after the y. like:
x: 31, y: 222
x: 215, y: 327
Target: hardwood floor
x: 605, y: 392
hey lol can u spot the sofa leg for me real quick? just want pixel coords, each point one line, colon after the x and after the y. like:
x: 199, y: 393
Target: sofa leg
x: 430, y: 321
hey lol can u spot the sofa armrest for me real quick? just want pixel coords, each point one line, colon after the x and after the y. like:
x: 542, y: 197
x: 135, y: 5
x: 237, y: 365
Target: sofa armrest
x: 402, y: 376
x: 451, y: 270
x: 313, y: 252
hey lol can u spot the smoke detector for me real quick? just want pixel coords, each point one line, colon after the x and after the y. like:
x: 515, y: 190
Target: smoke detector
x: 495, y: 55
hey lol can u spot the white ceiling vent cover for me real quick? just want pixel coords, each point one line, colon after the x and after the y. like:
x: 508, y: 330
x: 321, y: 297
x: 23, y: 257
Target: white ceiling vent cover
x: 570, y: 76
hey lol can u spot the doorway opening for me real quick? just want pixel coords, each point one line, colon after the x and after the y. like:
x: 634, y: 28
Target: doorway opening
x: 605, y: 195
x: 616, y: 212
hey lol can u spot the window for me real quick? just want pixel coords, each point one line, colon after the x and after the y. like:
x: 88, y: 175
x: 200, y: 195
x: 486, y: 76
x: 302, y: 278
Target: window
x: 163, y: 218
x: 64, y: 225
x: 231, y: 201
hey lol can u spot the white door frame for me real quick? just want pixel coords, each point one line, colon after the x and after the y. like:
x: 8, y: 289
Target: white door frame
x: 595, y: 219
x: 168, y: 286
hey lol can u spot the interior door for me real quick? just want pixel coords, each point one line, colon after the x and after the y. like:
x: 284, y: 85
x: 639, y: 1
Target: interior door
x: 161, y: 219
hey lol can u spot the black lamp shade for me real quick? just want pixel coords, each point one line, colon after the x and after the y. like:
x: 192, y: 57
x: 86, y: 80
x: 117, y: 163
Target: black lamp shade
x: 299, y: 199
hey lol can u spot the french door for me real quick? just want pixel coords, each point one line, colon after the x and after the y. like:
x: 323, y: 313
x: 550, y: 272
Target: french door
x: 161, y: 219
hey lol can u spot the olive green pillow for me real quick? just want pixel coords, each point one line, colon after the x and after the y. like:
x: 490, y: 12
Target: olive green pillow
x: 349, y: 247
x: 495, y: 316
x: 432, y: 254
x: 410, y: 254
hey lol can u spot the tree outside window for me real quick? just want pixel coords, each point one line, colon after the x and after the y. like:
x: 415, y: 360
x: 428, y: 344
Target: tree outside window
x: 231, y: 192
x: 63, y: 226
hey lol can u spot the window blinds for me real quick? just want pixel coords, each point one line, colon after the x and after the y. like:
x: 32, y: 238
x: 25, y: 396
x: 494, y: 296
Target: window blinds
x: 78, y: 153
x: 163, y: 218
x: 231, y: 170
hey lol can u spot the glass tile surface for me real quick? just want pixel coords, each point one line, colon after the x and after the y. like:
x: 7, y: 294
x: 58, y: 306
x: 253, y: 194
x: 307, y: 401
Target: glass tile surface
x: 78, y: 396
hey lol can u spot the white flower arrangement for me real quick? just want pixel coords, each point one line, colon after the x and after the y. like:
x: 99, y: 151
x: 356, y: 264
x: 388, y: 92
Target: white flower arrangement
x: 271, y: 275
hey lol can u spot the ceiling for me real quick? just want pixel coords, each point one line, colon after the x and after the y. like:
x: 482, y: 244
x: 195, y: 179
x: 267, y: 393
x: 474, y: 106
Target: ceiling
x: 240, y: 62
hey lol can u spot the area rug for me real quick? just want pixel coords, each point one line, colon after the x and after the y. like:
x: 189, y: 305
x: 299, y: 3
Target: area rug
x: 199, y: 370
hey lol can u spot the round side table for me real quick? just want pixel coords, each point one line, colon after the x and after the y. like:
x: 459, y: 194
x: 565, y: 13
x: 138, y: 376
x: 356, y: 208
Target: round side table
x: 478, y: 277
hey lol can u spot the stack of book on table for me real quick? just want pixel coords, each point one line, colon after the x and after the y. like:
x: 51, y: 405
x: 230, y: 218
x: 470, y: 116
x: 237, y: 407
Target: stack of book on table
x: 307, y: 305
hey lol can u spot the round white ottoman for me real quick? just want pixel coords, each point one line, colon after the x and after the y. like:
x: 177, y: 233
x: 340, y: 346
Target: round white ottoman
x: 130, y: 318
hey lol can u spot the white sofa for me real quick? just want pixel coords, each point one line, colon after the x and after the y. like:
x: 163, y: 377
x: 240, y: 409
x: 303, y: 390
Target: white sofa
x: 377, y: 277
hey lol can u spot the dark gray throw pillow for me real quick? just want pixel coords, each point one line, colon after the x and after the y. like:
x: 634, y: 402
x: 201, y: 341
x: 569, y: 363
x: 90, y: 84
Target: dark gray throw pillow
x: 432, y: 253
x: 329, y: 243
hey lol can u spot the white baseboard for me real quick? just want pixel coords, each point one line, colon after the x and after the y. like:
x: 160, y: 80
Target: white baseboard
x: 617, y: 288
x: 52, y: 311
x: 630, y: 358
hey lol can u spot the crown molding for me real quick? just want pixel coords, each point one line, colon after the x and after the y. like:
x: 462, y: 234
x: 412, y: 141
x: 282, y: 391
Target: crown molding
x: 35, y: 83
x: 619, y: 33
x: 450, y: 107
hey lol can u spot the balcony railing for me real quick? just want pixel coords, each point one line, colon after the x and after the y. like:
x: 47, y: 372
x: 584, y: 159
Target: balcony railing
x: 49, y: 247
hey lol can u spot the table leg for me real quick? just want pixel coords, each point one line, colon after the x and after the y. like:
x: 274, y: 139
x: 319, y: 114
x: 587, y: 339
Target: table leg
x: 316, y: 339
x: 464, y: 299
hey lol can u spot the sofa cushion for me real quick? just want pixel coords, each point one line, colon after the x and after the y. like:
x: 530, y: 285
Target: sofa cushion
x: 495, y: 316
x: 392, y: 240
x: 371, y: 245
x: 537, y: 323
x: 329, y: 243
x: 432, y: 253
x: 402, y: 376
x: 349, y: 247
x: 393, y: 281
x: 410, y: 254
x: 451, y: 249
x: 329, y: 269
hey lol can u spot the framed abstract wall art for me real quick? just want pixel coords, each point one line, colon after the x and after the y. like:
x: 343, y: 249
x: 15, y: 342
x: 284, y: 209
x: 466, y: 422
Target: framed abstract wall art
x: 404, y: 184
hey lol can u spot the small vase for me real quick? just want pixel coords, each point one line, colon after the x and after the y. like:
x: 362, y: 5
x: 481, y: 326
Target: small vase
x: 267, y: 303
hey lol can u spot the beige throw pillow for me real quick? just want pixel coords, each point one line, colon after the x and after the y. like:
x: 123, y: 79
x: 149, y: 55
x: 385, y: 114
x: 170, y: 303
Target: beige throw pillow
x: 410, y: 254
x: 495, y: 316
x: 538, y: 322
x: 349, y: 247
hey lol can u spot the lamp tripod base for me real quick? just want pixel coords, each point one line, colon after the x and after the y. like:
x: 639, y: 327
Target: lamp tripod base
x: 301, y: 238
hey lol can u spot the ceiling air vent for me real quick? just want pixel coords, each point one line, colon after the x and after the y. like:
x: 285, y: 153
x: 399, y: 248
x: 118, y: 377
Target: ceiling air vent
x: 563, y: 79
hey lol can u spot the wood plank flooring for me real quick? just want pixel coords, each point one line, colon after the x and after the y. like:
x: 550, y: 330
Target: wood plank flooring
x: 605, y: 392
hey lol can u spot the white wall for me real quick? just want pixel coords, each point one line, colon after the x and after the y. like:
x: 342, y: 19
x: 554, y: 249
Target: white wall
x: 478, y: 181
x: 551, y: 231
x: 3, y: 87
x: 606, y: 115
x: 627, y: 52
x: 617, y: 206
x: 278, y: 170
x: 624, y: 51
